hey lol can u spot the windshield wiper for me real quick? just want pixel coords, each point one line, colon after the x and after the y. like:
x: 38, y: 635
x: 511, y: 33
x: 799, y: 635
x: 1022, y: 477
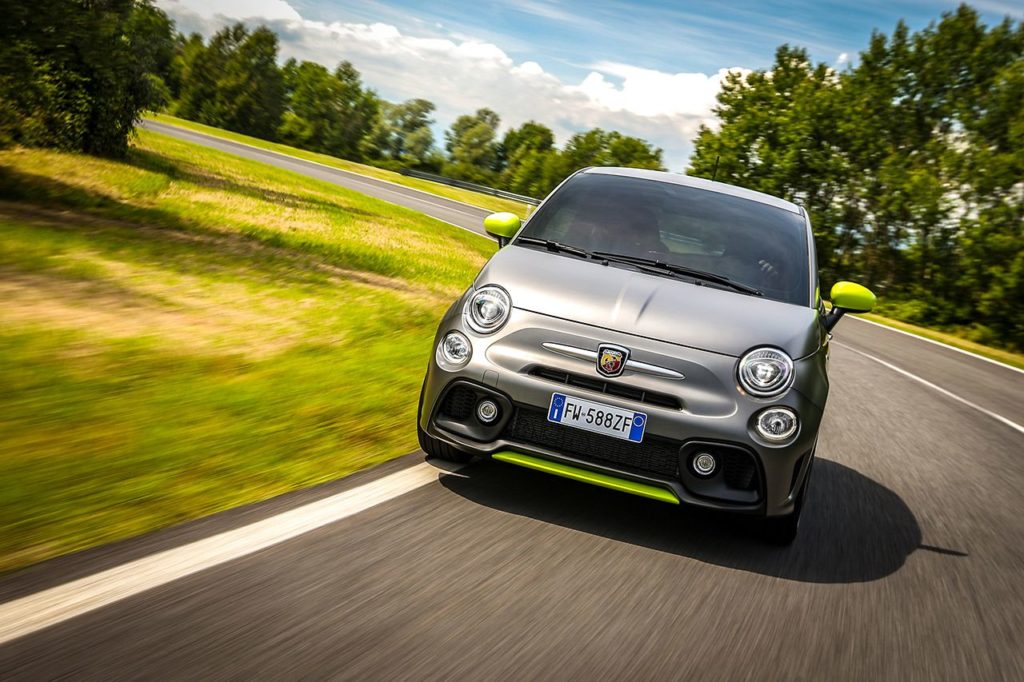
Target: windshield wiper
x: 680, y: 270
x: 556, y: 247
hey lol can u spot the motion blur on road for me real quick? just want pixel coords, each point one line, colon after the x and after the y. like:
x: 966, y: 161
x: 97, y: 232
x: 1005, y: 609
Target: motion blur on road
x: 909, y: 563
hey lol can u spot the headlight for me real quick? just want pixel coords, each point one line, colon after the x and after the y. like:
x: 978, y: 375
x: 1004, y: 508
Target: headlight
x: 454, y: 350
x: 777, y: 424
x: 488, y: 309
x: 765, y: 372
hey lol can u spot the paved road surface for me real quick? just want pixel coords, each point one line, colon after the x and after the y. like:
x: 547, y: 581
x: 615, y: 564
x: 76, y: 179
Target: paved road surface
x: 909, y: 565
x: 448, y: 210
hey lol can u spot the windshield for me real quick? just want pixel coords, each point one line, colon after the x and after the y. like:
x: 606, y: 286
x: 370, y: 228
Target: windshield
x: 748, y: 242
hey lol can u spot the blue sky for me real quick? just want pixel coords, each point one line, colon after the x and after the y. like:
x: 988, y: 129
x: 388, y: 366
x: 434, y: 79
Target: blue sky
x: 646, y: 68
x: 566, y: 36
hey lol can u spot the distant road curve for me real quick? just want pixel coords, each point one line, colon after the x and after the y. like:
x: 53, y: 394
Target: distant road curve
x: 449, y: 210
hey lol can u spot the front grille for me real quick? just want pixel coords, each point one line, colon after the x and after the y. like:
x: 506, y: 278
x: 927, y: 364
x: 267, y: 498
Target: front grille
x: 608, y: 387
x: 653, y: 456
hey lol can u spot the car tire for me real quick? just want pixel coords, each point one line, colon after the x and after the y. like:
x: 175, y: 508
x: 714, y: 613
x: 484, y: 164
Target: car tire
x: 432, y: 446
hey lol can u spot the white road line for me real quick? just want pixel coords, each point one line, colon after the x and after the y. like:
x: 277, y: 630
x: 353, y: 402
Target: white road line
x: 938, y: 343
x: 948, y: 394
x: 49, y: 607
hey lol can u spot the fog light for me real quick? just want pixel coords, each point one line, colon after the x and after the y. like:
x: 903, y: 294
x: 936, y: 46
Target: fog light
x: 486, y: 411
x: 777, y: 424
x: 454, y: 350
x: 704, y: 464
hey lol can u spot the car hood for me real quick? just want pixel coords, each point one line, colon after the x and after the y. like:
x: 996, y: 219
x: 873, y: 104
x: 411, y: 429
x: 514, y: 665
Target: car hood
x: 650, y: 306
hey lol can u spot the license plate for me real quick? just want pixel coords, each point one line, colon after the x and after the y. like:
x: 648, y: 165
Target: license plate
x: 597, y: 417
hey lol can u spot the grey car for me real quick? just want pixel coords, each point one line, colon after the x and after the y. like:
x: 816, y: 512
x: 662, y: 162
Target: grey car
x: 648, y: 332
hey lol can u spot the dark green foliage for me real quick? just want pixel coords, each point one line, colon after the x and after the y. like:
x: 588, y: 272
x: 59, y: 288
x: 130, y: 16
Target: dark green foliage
x: 910, y: 165
x: 327, y: 112
x: 402, y: 134
x: 534, y: 167
x: 599, y: 148
x: 235, y: 82
x: 524, y: 155
x: 152, y: 38
x: 472, y: 147
x: 76, y: 75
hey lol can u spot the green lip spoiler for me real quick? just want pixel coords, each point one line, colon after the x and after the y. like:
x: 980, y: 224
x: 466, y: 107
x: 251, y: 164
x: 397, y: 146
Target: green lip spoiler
x: 603, y: 480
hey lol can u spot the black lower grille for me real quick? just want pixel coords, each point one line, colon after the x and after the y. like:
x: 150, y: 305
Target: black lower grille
x: 608, y: 387
x: 739, y: 470
x: 459, y: 403
x: 653, y: 456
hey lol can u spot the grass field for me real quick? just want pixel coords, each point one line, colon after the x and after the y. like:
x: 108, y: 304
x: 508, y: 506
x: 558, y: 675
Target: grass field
x: 464, y: 195
x: 188, y: 331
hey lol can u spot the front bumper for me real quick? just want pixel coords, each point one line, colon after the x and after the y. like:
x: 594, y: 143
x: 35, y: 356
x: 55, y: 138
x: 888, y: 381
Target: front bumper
x: 702, y: 410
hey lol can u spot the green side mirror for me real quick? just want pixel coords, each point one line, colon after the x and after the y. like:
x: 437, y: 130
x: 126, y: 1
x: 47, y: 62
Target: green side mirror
x: 848, y: 297
x: 502, y: 226
x: 852, y: 297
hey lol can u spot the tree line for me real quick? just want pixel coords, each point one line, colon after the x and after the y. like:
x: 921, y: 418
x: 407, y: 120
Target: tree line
x: 234, y: 82
x: 910, y: 164
x: 85, y: 88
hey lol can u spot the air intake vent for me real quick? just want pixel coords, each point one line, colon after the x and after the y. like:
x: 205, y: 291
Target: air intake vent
x: 607, y: 387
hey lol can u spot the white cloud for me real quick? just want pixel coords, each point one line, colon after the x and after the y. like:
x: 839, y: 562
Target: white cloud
x: 236, y: 9
x: 463, y: 75
x: 842, y: 59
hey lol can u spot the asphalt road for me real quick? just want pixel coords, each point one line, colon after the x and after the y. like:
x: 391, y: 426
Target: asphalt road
x: 909, y: 564
x: 448, y: 210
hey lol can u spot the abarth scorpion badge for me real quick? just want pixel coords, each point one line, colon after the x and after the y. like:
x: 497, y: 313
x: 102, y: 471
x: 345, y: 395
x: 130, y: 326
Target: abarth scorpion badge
x: 611, y: 360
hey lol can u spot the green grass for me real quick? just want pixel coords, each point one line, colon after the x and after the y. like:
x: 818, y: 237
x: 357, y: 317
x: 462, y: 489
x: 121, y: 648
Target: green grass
x: 188, y: 331
x: 463, y: 195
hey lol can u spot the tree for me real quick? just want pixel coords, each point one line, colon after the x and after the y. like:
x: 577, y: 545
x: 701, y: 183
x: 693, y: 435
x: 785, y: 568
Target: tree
x: 535, y: 168
x: 909, y: 164
x: 778, y: 135
x: 472, y: 147
x: 524, y: 152
x: 326, y: 112
x: 186, y: 52
x: 402, y: 133
x: 531, y: 136
x: 71, y: 76
x: 632, y: 152
x: 600, y: 148
x: 251, y: 88
x: 357, y: 108
x: 235, y: 83
x: 153, y: 42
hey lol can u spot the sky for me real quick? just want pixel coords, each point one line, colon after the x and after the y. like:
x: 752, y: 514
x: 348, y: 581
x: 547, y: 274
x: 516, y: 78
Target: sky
x: 650, y: 69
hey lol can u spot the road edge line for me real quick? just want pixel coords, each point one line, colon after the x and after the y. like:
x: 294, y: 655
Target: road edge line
x: 938, y: 343
x: 34, y: 612
x: 949, y: 394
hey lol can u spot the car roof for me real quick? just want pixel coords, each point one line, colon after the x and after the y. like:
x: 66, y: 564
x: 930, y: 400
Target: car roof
x: 698, y: 183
